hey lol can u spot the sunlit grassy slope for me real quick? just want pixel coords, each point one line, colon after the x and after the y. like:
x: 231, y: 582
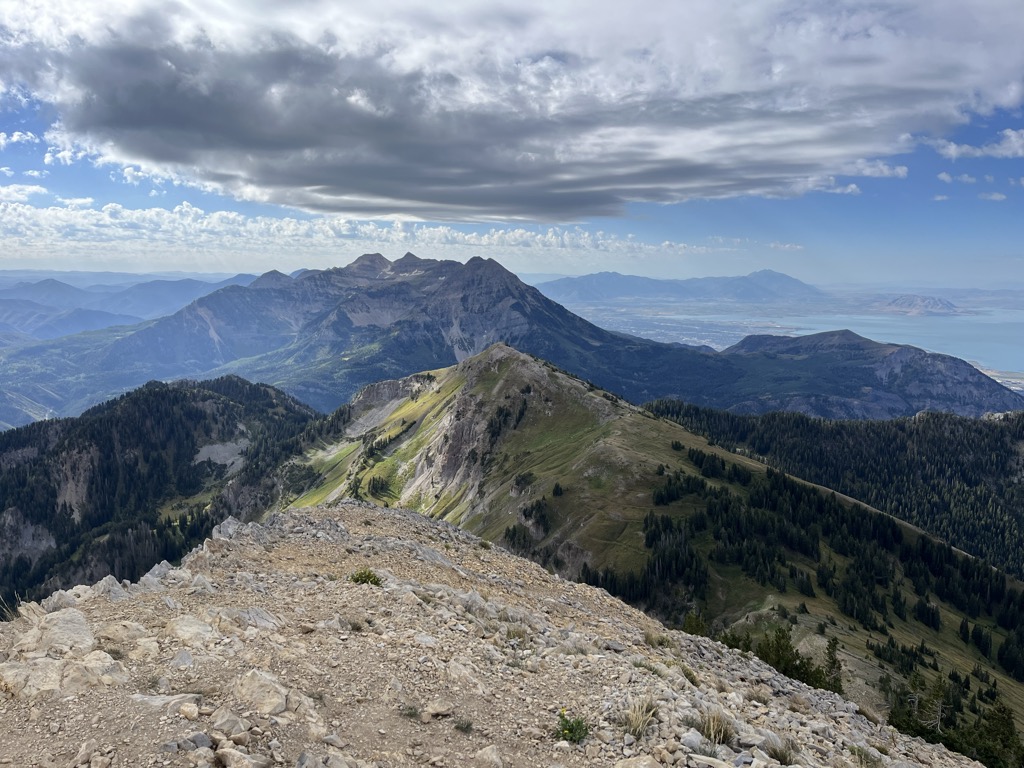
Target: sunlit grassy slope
x: 477, y: 444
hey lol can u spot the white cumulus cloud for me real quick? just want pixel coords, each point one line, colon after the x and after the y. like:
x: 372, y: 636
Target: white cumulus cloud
x: 1010, y: 144
x: 19, y: 193
x: 188, y: 236
x: 17, y: 137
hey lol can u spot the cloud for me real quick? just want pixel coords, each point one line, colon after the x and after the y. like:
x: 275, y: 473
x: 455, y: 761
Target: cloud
x: 76, y: 202
x: 18, y: 137
x: 483, y: 111
x: 879, y: 170
x: 997, y: 197
x: 6, y: 171
x: 35, y: 174
x: 19, y: 193
x: 964, y: 178
x: 940, y: 198
x: 849, y: 189
x: 785, y: 246
x: 1010, y: 145
x: 189, y: 237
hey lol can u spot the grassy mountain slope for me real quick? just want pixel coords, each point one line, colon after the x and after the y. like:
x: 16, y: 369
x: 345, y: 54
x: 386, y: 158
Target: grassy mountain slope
x: 476, y: 442
x: 657, y: 515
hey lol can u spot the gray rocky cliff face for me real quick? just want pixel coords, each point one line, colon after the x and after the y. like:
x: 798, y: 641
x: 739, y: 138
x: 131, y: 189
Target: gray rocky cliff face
x: 352, y: 636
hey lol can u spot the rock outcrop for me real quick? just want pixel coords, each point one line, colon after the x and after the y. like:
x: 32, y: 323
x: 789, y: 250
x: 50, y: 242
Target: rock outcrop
x: 354, y: 636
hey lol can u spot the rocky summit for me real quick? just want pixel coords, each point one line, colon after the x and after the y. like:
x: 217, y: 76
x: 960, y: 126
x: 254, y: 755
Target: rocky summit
x: 352, y: 635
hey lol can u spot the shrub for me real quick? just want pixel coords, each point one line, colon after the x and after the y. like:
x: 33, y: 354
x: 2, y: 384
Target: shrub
x: 463, y: 724
x: 572, y: 729
x: 365, y: 576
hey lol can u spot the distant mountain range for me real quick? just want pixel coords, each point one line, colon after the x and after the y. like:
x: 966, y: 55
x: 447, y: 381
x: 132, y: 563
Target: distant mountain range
x: 50, y: 308
x: 325, y: 333
x: 758, y: 287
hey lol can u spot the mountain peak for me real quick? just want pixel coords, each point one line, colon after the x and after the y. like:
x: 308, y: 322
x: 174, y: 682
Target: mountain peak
x: 271, y: 280
x: 826, y: 341
x: 410, y: 259
x: 372, y: 265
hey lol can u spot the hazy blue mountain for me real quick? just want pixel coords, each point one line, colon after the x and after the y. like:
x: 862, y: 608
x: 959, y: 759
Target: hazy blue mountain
x: 324, y: 334
x: 38, y: 321
x: 50, y: 308
x: 101, y: 282
x: 913, y: 304
x: 79, y: 320
x: 758, y: 287
x: 156, y: 298
x: 51, y: 293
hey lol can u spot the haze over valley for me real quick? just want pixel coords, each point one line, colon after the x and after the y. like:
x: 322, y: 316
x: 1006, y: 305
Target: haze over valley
x: 981, y: 326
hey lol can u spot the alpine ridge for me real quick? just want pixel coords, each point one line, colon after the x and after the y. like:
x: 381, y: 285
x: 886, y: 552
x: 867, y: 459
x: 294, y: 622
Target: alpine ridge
x: 323, y: 334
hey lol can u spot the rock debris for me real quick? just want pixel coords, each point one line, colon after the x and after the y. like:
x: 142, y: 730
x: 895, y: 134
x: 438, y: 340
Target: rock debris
x: 259, y: 651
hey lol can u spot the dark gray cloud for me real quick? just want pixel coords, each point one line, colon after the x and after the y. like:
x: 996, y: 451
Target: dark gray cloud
x: 535, y: 113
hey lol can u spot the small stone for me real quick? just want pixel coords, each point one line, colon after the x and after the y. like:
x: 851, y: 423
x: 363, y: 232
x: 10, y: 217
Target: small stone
x: 488, y: 757
x: 437, y: 708
x: 643, y: 761
x: 241, y: 739
x: 86, y: 752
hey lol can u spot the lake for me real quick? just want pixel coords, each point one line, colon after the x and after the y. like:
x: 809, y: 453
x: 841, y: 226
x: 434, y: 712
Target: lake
x: 992, y: 339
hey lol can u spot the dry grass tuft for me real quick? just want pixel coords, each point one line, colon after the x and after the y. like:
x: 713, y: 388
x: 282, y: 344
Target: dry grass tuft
x: 639, y: 715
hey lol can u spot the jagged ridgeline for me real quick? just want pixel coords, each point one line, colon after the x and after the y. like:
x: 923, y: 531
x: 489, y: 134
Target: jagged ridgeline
x: 138, y: 479
x: 552, y: 467
x: 323, y: 334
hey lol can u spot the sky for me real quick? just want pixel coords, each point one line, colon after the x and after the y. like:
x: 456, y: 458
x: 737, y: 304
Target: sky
x: 840, y: 142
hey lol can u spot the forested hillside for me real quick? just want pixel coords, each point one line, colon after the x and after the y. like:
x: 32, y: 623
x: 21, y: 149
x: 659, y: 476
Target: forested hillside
x: 943, y: 626
x: 136, y: 480
x: 959, y: 479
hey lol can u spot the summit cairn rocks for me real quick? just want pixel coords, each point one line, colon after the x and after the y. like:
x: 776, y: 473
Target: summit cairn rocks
x: 259, y: 651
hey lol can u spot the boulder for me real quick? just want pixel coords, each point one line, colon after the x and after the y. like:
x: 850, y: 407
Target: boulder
x: 262, y: 691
